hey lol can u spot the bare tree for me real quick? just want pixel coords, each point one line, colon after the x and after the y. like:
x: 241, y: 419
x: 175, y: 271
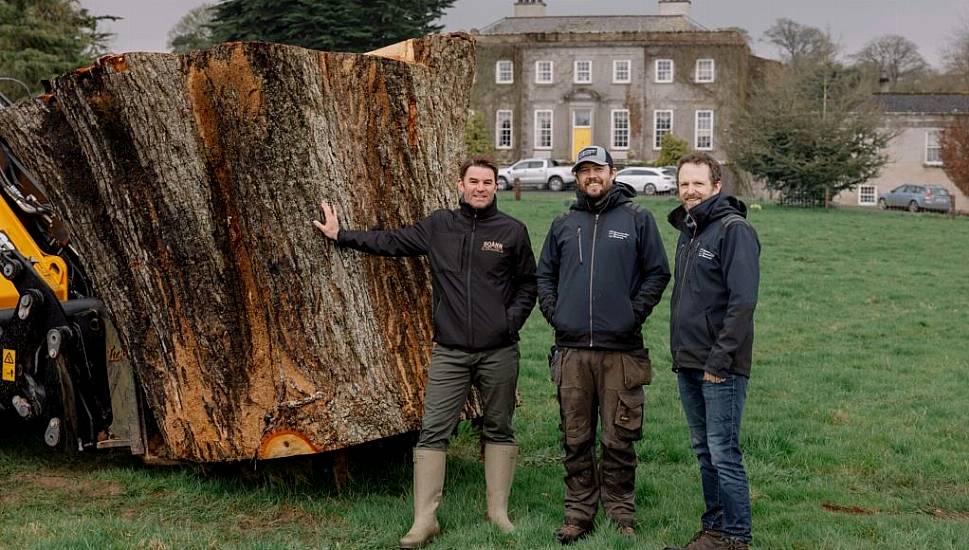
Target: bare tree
x: 797, y: 42
x: 193, y: 31
x: 892, y: 57
x: 956, y: 55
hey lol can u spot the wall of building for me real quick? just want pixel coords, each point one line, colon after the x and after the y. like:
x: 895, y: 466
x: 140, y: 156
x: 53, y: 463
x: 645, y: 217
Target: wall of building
x: 641, y: 96
x: 907, y: 164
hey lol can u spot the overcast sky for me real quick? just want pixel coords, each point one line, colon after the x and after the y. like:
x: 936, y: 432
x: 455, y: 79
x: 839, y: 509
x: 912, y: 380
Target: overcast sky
x: 928, y: 23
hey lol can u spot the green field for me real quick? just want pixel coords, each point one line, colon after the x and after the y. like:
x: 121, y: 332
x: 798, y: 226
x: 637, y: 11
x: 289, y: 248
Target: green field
x: 856, y: 432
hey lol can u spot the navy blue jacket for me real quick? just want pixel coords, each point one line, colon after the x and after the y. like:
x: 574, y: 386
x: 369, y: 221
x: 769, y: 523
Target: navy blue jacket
x: 602, y: 270
x: 482, y: 271
x: 715, y: 287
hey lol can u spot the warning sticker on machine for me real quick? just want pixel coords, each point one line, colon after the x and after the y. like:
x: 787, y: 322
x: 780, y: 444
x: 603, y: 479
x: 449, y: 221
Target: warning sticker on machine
x: 9, y: 365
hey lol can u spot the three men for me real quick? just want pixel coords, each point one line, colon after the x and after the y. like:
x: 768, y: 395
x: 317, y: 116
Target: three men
x: 711, y: 338
x: 483, y: 276
x: 602, y: 270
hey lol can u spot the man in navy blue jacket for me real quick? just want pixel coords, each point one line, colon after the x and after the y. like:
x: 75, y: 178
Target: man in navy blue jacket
x: 711, y: 338
x: 602, y: 270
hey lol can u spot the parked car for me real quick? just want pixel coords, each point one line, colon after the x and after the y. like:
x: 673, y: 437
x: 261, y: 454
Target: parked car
x: 646, y: 180
x: 538, y: 174
x: 916, y: 197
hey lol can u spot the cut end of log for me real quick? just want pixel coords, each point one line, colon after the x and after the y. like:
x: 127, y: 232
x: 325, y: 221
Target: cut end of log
x: 286, y: 443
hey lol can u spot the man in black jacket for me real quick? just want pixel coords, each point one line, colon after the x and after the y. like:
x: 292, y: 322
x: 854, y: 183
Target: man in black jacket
x: 711, y: 338
x: 483, y: 276
x: 601, y: 272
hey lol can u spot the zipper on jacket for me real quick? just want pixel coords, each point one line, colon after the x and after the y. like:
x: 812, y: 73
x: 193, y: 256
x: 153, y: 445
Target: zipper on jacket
x: 592, y: 273
x: 686, y: 269
x: 474, y: 219
x: 578, y: 237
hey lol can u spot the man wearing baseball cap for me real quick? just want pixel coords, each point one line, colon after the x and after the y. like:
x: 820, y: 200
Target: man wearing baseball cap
x: 602, y: 270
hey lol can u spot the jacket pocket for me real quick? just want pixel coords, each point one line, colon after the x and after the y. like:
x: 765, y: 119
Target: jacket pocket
x: 637, y: 369
x: 555, y: 365
x: 629, y: 415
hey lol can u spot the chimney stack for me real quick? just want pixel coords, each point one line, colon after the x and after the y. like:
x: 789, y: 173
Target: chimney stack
x: 674, y: 7
x: 530, y: 8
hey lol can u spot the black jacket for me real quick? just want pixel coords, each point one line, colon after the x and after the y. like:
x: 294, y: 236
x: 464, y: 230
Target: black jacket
x: 483, y: 272
x: 715, y: 289
x: 602, y: 270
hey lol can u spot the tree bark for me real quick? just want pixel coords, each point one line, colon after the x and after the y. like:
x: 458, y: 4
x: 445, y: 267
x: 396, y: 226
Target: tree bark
x: 189, y: 182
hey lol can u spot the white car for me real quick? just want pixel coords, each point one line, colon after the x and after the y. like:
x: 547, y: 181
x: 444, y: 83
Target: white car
x: 538, y: 173
x: 646, y: 180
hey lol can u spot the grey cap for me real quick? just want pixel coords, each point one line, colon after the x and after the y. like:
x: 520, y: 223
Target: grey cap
x: 593, y: 154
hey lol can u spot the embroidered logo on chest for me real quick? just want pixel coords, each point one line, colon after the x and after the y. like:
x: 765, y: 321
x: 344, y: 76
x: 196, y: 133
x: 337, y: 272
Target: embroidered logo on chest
x: 618, y: 235
x: 493, y: 246
x: 706, y: 254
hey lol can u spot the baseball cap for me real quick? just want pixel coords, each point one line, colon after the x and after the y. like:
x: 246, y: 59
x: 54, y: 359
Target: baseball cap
x: 593, y: 154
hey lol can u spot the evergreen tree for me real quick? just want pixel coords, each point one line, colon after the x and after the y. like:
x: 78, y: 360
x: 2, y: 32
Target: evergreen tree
x: 671, y: 149
x: 329, y: 25
x: 476, y: 136
x: 810, y: 129
x: 40, y: 39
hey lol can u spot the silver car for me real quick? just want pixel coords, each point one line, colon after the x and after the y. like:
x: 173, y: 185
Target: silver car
x: 916, y: 197
x: 646, y: 180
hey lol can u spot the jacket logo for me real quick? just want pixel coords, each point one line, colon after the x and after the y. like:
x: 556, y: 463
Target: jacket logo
x: 618, y: 235
x: 493, y: 246
x: 705, y: 254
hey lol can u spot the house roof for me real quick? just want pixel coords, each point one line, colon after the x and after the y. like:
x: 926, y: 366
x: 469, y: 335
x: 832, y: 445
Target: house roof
x: 922, y: 103
x: 592, y: 24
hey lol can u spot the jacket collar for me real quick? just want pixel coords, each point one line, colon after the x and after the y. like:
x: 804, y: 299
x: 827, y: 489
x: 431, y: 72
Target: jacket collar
x: 716, y: 207
x: 619, y: 193
x: 479, y: 213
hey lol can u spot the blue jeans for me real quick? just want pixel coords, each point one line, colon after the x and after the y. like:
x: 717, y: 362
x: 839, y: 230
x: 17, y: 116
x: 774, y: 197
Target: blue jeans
x: 713, y: 413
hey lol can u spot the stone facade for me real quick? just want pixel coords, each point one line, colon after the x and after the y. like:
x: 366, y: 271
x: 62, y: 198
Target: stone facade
x: 530, y: 68
x: 912, y: 158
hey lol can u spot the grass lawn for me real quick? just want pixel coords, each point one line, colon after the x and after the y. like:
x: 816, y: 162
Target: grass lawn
x: 856, y: 432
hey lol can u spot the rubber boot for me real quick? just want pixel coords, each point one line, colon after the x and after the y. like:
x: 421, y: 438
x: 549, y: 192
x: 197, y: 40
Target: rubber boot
x: 499, y: 463
x: 429, y: 467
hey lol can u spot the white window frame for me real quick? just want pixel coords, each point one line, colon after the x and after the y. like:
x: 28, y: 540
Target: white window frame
x: 612, y: 131
x: 657, y: 139
x: 656, y: 78
x: 713, y: 70
x: 499, y: 129
x: 575, y: 72
x: 511, y: 72
x: 551, y: 129
x: 874, y: 195
x: 936, y: 147
x: 696, y: 130
x: 538, y: 71
x: 615, y: 71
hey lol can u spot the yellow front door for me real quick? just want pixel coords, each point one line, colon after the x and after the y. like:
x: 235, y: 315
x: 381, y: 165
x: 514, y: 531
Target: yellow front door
x: 581, y: 130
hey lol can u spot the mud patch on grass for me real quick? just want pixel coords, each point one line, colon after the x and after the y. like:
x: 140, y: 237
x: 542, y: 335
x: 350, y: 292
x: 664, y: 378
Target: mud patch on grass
x: 942, y: 513
x: 854, y: 510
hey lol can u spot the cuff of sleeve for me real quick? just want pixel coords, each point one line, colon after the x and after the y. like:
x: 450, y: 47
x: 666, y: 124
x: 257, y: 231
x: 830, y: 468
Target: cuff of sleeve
x: 718, y: 364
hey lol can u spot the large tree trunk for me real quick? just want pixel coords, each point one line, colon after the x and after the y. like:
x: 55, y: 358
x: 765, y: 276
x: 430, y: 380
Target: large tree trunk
x: 189, y: 182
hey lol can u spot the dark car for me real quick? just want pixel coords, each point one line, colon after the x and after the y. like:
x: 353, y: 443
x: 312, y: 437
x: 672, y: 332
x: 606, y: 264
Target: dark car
x: 916, y: 197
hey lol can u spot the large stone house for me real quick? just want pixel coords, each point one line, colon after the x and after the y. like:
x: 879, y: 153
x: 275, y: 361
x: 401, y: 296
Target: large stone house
x: 914, y: 153
x: 548, y: 86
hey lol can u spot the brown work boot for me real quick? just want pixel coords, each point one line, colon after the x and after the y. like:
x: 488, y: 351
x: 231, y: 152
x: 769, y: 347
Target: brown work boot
x: 572, y: 531
x: 429, y: 467
x: 704, y: 539
x: 734, y: 544
x: 626, y: 528
x: 499, y: 465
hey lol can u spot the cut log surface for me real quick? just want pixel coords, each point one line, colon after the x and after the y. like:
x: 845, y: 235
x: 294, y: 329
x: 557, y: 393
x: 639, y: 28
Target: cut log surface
x: 188, y: 183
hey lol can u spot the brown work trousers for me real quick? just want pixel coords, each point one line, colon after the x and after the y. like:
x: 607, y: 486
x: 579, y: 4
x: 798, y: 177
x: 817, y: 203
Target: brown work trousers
x: 606, y: 385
